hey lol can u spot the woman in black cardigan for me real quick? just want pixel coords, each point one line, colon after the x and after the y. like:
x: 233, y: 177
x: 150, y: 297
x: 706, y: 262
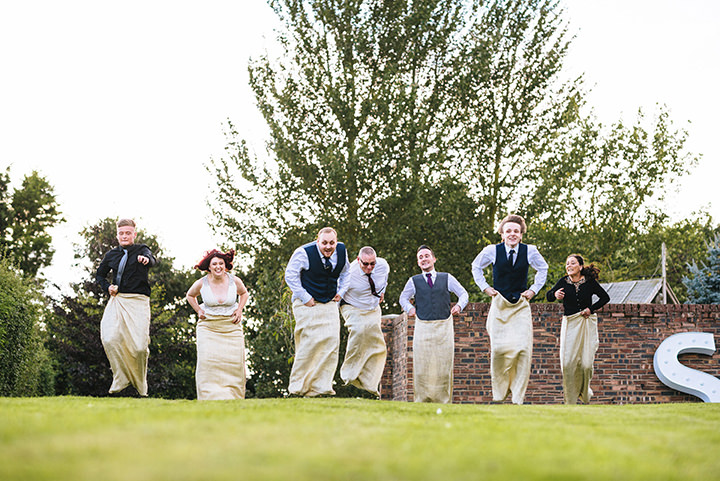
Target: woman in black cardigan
x: 578, y: 334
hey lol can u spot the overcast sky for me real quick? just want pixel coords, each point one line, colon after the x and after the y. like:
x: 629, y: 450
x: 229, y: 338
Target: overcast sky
x: 120, y: 105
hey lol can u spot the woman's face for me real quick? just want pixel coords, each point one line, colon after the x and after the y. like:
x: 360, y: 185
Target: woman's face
x: 217, y: 266
x: 572, y: 266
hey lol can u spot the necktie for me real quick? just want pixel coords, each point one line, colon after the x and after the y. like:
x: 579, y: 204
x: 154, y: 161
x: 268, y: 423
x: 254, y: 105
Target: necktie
x: 510, y: 257
x: 372, y: 286
x: 121, y: 267
x: 429, y: 276
x: 328, y: 266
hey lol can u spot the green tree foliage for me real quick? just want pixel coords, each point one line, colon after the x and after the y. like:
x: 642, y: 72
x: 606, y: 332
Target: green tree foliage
x: 74, y: 327
x: 26, y: 217
x: 25, y: 368
x: 406, y: 123
x: 703, y: 280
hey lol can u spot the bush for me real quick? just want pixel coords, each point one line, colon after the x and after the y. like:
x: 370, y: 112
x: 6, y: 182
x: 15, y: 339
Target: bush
x: 25, y: 368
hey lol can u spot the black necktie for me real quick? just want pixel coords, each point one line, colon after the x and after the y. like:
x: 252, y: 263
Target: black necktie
x: 328, y: 266
x: 510, y: 257
x: 121, y: 267
x: 372, y: 286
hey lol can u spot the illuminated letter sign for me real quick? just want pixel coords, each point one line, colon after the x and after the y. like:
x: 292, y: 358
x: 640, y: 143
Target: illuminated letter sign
x: 681, y: 378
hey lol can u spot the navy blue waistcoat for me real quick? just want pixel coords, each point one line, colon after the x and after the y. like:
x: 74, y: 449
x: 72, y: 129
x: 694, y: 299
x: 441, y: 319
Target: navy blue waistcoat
x: 432, y: 303
x: 510, y: 280
x: 321, y: 283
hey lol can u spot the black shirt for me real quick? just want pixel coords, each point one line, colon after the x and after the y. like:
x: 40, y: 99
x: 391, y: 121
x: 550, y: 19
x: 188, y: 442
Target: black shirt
x: 576, y: 300
x: 135, y: 275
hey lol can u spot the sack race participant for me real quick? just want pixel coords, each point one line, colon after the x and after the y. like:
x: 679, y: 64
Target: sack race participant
x: 220, y: 369
x: 314, y: 274
x: 363, y: 292
x: 509, y: 322
x: 434, y: 337
x: 578, y: 332
x: 125, y: 325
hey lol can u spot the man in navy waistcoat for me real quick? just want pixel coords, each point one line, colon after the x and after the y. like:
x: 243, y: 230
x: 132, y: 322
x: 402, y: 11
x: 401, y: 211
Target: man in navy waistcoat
x: 434, y: 336
x: 509, y: 321
x: 315, y: 274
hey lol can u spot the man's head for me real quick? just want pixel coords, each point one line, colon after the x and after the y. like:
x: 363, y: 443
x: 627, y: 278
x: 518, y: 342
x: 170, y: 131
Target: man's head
x: 512, y: 229
x: 126, y: 232
x: 367, y: 259
x: 327, y: 241
x: 426, y: 258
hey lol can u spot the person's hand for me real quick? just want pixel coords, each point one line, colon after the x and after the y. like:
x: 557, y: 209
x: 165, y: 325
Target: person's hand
x: 529, y: 294
x: 201, y: 314
x: 236, y: 317
x: 382, y: 297
x: 411, y: 312
x: 490, y: 291
x: 310, y: 303
x: 560, y: 294
x: 586, y: 312
x: 455, y: 310
x: 113, y: 290
x: 336, y: 298
x: 143, y: 260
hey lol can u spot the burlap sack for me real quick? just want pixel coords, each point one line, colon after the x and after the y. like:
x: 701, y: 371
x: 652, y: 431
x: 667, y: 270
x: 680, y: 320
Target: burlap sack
x: 366, y: 350
x: 125, y: 335
x: 220, y: 370
x: 433, y: 360
x: 317, y: 341
x: 578, y: 345
x: 511, y: 342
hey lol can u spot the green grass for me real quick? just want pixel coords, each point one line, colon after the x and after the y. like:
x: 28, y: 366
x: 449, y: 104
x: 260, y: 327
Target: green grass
x: 71, y: 438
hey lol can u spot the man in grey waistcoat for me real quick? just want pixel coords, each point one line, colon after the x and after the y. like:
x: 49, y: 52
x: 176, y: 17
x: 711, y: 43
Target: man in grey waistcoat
x: 434, y: 338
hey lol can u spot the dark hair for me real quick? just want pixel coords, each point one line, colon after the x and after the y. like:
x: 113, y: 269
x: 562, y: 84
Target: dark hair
x: 425, y: 247
x: 591, y: 271
x: 204, y: 264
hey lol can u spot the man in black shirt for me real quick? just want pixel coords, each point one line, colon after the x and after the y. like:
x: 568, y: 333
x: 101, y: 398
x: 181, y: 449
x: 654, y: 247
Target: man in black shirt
x: 125, y: 326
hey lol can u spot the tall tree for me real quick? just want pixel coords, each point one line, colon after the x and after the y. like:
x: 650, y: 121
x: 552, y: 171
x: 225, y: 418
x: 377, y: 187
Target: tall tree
x: 27, y: 216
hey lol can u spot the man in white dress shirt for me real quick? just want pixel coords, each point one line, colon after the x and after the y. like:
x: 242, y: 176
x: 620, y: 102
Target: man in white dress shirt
x: 434, y: 337
x: 315, y: 273
x: 509, y: 322
x: 362, y: 294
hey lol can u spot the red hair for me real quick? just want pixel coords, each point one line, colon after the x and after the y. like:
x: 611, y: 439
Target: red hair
x: 204, y: 264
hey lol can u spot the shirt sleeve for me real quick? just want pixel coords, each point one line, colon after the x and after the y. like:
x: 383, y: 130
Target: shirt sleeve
x: 102, y: 273
x: 298, y: 262
x: 384, y: 272
x: 407, y: 293
x: 484, y: 259
x: 550, y: 296
x: 538, y: 263
x: 343, y: 278
x: 604, y: 297
x: 456, y: 288
x: 145, y: 251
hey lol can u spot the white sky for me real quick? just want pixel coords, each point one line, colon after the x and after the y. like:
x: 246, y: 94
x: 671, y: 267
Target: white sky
x: 120, y: 105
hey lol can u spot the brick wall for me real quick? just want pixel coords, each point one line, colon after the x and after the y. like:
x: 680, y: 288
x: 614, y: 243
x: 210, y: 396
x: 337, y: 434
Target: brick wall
x: 629, y: 335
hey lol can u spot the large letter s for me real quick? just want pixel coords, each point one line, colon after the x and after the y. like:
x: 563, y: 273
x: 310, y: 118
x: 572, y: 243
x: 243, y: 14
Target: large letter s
x: 677, y: 376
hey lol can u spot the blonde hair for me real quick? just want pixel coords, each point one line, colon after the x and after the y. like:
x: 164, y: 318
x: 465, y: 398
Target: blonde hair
x: 125, y: 222
x: 513, y: 218
x: 327, y: 230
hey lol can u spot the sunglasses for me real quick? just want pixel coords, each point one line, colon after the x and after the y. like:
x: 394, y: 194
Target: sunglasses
x: 367, y: 263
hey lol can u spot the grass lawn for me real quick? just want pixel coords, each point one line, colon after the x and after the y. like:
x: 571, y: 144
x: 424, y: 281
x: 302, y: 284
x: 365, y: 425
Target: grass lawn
x: 73, y: 438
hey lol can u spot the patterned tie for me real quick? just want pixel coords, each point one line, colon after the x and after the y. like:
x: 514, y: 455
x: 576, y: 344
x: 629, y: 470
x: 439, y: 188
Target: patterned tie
x: 121, y: 267
x: 510, y: 257
x: 372, y: 286
x: 429, y: 276
x: 328, y: 266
